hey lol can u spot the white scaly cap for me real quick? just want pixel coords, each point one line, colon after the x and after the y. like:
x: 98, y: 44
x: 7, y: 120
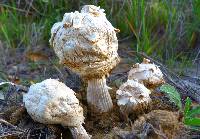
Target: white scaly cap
x: 132, y: 96
x: 86, y: 42
x: 147, y: 73
x: 52, y: 102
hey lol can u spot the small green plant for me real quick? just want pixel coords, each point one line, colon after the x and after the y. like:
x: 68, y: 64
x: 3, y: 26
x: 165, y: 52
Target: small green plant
x: 189, y: 113
x: 172, y: 93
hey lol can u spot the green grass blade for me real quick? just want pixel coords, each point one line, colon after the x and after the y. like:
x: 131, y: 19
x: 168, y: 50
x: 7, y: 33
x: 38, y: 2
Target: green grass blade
x: 192, y: 121
x: 194, y: 128
x: 6, y: 36
x: 174, y: 96
x: 187, y: 106
x: 194, y: 112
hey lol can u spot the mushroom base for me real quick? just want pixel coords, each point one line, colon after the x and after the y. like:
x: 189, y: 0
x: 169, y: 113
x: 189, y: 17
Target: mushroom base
x: 98, y: 97
x: 79, y: 133
x: 135, y: 110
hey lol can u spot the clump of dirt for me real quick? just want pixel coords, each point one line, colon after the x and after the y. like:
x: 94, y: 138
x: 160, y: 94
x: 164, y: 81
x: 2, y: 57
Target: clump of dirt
x: 161, y: 102
x: 100, y: 125
x: 165, y: 123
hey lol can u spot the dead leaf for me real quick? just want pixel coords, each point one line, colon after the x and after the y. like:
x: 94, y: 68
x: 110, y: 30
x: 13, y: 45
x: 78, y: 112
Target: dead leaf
x: 36, y: 56
x: 14, y: 79
x: 32, y: 82
x: 122, y: 68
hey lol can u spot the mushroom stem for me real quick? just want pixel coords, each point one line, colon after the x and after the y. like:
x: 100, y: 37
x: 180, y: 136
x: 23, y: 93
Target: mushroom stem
x: 79, y: 132
x: 98, y: 96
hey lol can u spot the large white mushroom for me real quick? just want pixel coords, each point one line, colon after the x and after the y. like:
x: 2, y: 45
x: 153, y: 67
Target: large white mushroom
x: 133, y: 97
x: 86, y: 43
x: 147, y: 73
x: 52, y: 102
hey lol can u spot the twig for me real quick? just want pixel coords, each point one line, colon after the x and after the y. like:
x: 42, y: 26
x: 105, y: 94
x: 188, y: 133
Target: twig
x: 122, y: 7
x: 8, y: 134
x: 30, y: 5
x: 147, y: 128
x: 126, y: 38
x: 2, y: 83
x: 196, y: 58
x: 58, y: 70
x: 111, y: 9
x: 36, y: 10
x: 19, y: 87
x: 11, y: 125
x: 20, y: 10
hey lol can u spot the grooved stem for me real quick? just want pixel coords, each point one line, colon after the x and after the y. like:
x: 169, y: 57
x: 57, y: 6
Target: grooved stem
x: 79, y: 133
x: 98, y: 96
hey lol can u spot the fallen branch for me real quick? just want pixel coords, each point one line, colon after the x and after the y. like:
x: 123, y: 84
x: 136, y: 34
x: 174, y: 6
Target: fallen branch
x: 8, y: 129
x: 11, y: 125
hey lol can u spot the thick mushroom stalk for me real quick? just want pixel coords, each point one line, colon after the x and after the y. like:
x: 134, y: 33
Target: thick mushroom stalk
x: 98, y: 96
x: 86, y: 43
x: 147, y: 73
x: 79, y: 132
x: 133, y: 97
x: 52, y: 102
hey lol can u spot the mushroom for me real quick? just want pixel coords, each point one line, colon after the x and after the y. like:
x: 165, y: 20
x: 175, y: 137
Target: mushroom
x: 52, y: 102
x: 133, y: 98
x: 147, y: 73
x: 86, y: 43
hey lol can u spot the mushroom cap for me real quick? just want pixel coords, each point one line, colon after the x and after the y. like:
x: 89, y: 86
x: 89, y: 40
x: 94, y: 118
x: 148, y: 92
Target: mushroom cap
x: 146, y: 73
x: 131, y: 95
x: 52, y: 102
x: 86, y: 42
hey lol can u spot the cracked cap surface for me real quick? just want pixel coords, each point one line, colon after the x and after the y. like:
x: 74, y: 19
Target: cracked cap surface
x: 52, y: 102
x: 86, y: 42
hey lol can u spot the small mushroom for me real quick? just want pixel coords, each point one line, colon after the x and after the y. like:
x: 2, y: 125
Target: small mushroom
x: 52, y: 102
x: 86, y: 43
x: 133, y: 97
x: 147, y: 73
